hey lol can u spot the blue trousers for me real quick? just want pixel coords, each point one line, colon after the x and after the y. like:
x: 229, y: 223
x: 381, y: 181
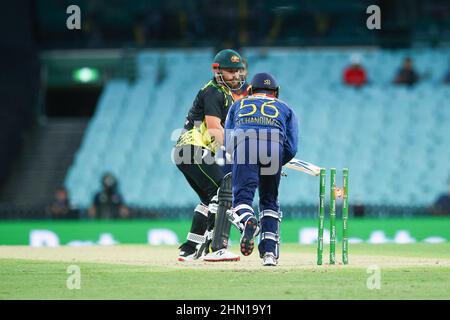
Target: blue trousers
x: 257, y: 165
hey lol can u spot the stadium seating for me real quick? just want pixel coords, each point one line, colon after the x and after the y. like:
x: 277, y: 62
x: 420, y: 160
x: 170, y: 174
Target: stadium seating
x: 394, y: 140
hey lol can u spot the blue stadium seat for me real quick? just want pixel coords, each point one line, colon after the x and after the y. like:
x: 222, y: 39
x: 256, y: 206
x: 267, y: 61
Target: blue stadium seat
x: 394, y: 139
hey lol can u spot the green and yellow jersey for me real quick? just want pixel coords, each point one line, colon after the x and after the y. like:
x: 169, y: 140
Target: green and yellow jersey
x: 211, y: 100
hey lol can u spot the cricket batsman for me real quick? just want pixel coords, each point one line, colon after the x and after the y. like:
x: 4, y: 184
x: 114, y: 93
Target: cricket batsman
x: 194, y: 153
x: 262, y: 136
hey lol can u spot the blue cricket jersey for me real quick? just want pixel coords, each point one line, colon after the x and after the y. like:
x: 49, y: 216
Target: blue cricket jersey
x: 260, y: 112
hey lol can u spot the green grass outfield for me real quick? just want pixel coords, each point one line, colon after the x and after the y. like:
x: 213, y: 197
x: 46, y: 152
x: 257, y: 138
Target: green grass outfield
x: 409, y: 271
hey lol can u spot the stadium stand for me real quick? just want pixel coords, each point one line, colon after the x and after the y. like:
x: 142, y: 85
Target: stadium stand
x: 392, y: 138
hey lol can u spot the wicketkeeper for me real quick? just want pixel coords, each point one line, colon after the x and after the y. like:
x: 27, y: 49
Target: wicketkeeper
x: 262, y: 135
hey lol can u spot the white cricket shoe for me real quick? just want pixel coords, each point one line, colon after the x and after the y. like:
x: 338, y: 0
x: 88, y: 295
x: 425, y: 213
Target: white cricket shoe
x: 187, y: 253
x: 221, y: 255
x: 269, y: 259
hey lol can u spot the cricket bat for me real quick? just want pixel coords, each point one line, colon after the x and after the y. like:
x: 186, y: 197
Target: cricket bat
x: 306, y: 167
x: 294, y: 164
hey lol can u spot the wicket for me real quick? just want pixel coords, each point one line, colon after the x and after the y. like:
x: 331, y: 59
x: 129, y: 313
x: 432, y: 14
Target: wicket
x: 343, y: 193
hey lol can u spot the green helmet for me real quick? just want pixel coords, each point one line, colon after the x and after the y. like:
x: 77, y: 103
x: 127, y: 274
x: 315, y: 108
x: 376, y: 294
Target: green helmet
x: 228, y: 59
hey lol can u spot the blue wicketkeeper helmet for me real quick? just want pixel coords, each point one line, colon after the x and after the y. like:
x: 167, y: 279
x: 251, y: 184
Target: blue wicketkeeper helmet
x: 264, y: 82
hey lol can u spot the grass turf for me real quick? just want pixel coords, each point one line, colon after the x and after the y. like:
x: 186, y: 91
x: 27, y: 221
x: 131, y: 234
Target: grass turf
x: 410, y: 271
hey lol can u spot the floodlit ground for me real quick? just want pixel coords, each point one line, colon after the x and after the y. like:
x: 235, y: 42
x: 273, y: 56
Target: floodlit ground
x: 409, y: 271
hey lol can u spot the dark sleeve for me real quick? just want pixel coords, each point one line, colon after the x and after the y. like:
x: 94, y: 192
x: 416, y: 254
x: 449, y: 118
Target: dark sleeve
x: 213, y: 102
x: 97, y: 199
x: 442, y: 202
x: 118, y: 199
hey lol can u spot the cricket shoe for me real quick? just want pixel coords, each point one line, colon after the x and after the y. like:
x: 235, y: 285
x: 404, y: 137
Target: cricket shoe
x: 269, y: 259
x: 221, y: 256
x: 187, y: 253
x: 250, y: 231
